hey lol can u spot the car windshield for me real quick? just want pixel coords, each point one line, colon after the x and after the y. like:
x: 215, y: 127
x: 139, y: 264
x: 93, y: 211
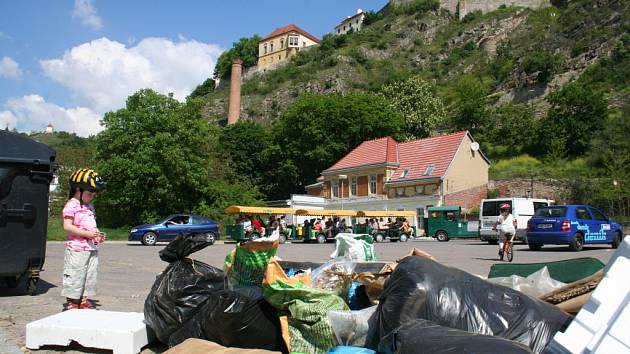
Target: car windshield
x: 551, y: 212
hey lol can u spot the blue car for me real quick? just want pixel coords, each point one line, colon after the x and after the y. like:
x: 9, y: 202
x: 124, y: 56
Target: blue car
x: 573, y: 225
x: 169, y: 228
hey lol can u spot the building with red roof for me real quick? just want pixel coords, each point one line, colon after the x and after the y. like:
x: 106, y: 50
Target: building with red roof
x: 383, y: 174
x: 282, y: 43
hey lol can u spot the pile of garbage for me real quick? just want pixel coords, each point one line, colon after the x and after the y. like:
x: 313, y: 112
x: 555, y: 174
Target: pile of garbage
x: 345, y: 305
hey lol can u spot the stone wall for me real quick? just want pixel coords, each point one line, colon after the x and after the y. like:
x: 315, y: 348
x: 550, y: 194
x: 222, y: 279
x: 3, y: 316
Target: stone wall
x: 558, y: 190
x: 462, y: 7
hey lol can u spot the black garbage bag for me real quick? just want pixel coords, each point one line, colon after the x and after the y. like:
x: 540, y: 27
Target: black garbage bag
x: 238, y: 318
x: 425, y: 337
x: 425, y: 289
x: 181, y: 289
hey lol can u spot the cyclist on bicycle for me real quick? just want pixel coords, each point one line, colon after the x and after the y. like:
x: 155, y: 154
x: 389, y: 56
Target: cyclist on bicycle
x: 507, y: 226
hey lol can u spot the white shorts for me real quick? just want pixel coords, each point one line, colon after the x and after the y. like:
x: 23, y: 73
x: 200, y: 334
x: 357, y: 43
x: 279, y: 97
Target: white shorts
x: 79, y: 274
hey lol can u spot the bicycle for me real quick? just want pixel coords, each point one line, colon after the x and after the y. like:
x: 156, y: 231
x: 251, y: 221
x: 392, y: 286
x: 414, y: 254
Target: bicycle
x: 508, y: 249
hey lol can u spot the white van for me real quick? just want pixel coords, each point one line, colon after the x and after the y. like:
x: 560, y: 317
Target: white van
x: 522, y: 209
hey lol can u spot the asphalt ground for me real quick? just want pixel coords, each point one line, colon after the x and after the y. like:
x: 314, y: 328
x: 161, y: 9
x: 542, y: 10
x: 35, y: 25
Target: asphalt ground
x: 127, y: 272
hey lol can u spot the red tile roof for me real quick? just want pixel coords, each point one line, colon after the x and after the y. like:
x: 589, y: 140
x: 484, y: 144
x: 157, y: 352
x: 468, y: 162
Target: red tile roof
x: 370, y: 152
x: 414, y: 156
x: 290, y: 28
x: 417, y: 155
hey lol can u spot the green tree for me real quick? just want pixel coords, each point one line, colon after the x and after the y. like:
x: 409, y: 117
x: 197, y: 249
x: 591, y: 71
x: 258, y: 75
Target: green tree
x: 317, y: 130
x: 610, y: 151
x: 245, y: 143
x: 160, y: 156
x: 471, y: 105
x: 576, y: 112
x: 418, y: 103
x: 544, y: 63
x: 73, y: 153
x: 205, y: 88
x: 246, y: 49
x: 511, y: 133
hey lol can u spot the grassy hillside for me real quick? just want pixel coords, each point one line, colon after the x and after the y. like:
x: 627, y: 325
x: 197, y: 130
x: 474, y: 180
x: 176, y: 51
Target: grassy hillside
x: 521, y: 54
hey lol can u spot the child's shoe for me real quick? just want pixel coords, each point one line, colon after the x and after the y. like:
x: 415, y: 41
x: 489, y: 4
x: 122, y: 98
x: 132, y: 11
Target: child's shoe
x: 71, y: 306
x: 87, y: 305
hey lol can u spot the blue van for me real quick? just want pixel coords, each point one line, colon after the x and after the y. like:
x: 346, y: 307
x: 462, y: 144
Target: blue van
x: 573, y: 225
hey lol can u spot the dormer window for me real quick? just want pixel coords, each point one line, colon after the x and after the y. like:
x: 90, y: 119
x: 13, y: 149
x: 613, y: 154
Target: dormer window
x: 429, y: 170
x: 404, y: 173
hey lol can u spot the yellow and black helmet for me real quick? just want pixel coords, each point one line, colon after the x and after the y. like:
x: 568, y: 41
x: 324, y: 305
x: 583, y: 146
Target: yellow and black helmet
x: 86, y: 179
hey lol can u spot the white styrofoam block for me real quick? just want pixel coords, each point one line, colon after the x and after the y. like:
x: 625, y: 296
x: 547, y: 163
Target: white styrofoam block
x: 602, y: 324
x: 122, y: 332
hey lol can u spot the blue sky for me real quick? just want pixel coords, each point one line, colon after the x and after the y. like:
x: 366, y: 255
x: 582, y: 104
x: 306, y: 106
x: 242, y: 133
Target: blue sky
x: 69, y: 62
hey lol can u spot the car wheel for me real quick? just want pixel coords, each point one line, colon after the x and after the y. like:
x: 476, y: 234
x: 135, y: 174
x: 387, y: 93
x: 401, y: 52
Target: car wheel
x: 254, y: 236
x: 404, y: 237
x: 441, y: 236
x: 282, y: 238
x: 321, y: 238
x: 149, y: 239
x: 210, y: 237
x: 493, y: 242
x: 578, y: 242
x: 379, y: 238
x: 616, y: 240
x: 535, y: 246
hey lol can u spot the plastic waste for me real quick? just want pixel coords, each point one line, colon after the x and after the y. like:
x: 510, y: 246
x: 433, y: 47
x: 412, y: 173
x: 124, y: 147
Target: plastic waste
x: 420, y: 288
x: 351, y: 327
x: 357, y: 247
x: 185, y: 284
x: 421, y: 336
x: 535, y: 284
x: 334, y: 275
x: 245, y: 265
x: 238, y: 318
x: 302, y: 310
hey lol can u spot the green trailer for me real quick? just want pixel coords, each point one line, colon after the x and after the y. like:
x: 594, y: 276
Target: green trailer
x: 237, y: 232
x: 308, y: 234
x: 446, y: 222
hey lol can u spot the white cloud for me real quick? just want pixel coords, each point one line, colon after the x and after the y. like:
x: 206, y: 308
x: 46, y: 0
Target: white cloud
x: 101, y: 74
x: 9, y: 68
x: 33, y: 113
x: 7, y: 119
x: 86, y: 12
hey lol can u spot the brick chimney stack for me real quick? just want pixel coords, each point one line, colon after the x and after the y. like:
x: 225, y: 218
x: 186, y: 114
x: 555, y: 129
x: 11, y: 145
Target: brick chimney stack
x: 234, y: 108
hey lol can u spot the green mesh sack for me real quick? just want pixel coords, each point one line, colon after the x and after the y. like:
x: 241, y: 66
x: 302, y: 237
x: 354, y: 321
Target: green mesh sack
x: 245, y: 265
x: 303, y: 310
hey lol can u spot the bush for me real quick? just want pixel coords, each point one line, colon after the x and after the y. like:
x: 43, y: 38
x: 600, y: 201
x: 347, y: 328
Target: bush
x: 371, y: 17
x: 542, y: 62
x: 415, y: 7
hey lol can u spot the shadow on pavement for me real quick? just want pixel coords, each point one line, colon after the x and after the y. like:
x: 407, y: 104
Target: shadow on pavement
x: 20, y: 290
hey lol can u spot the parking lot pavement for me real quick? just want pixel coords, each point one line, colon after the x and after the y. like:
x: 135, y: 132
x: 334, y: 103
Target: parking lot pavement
x: 127, y: 272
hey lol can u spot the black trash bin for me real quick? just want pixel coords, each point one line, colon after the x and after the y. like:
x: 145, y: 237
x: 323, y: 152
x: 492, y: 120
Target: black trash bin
x: 26, y: 170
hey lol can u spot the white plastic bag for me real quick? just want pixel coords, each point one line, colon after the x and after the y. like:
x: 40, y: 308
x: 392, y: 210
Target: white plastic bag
x: 275, y: 235
x: 354, y: 247
x: 351, y: 327
x: 536, y: 284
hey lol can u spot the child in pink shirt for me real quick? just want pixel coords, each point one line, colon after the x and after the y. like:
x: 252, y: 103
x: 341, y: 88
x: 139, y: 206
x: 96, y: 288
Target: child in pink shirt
x: 82, y: 239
